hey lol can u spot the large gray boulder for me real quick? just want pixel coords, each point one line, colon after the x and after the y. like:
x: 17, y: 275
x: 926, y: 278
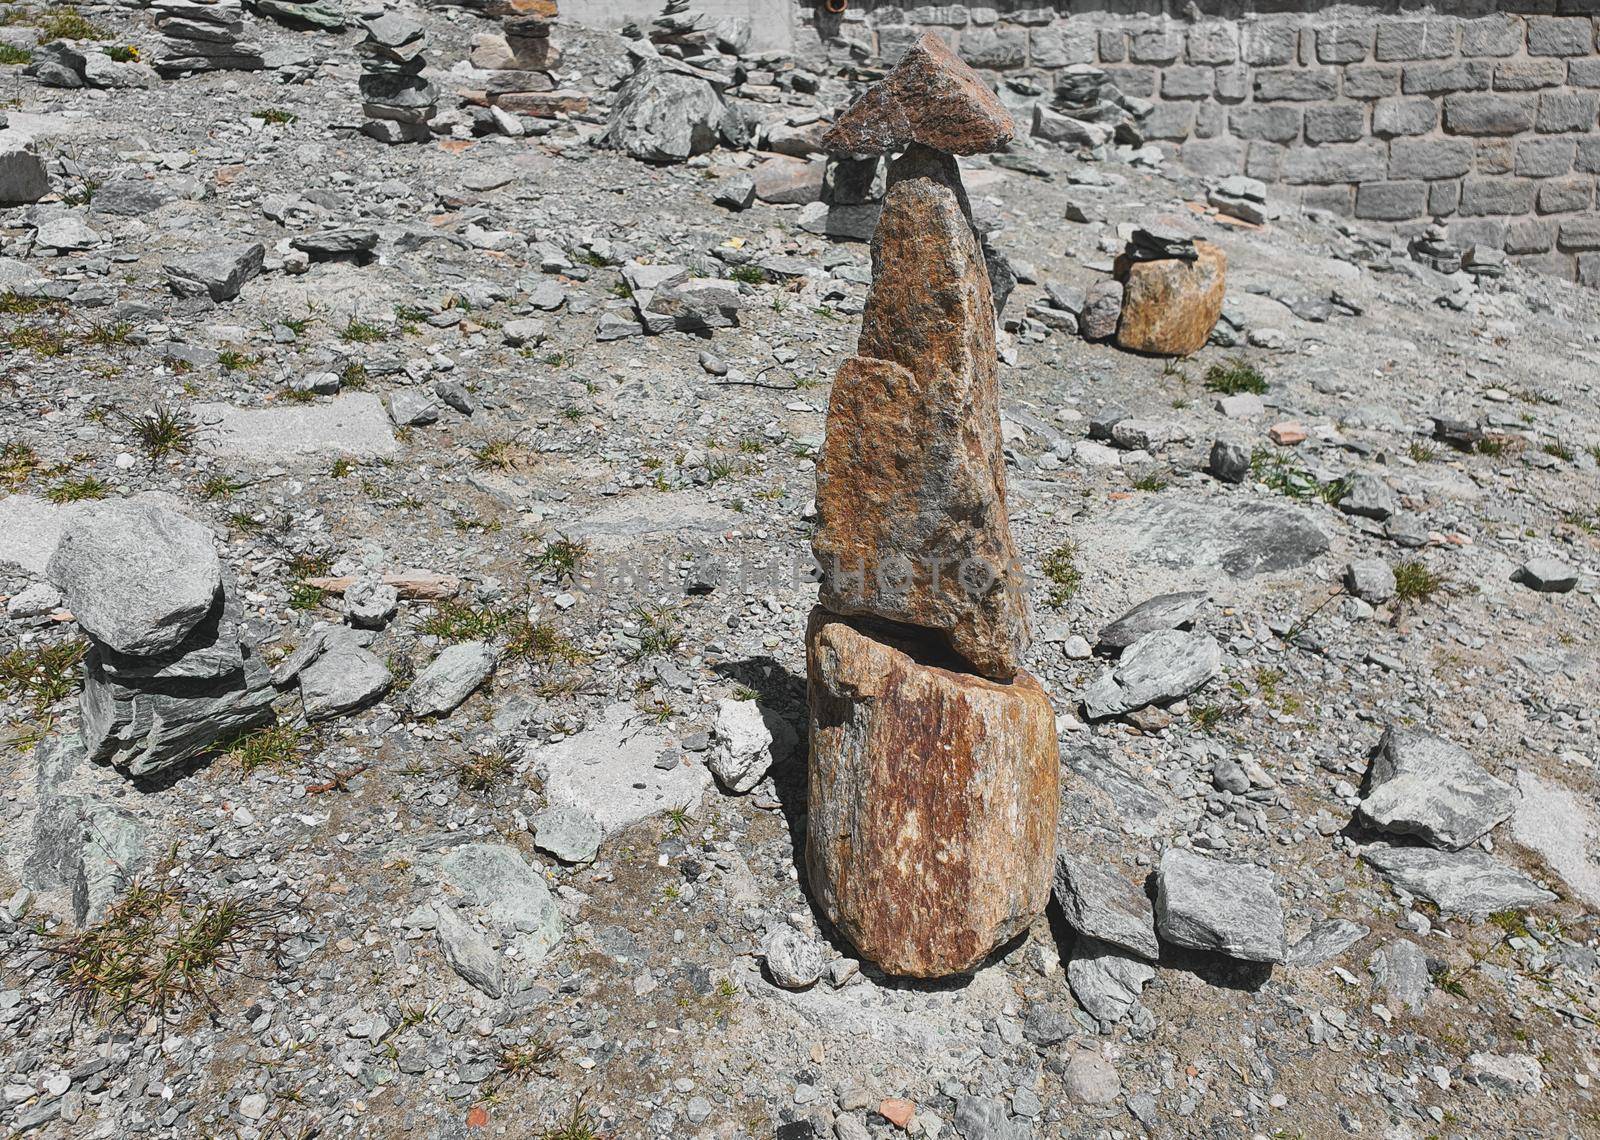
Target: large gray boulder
x: 664, y: 115
x: 138, y: 577
x: 1100, y: 902
x: 23, y: 178
x: 1229, y: 908
x: 1158, y: 668
x: 1105, y: 980
x: 216, y: 273
x: 1166, y: 611
x: 1428, y: 787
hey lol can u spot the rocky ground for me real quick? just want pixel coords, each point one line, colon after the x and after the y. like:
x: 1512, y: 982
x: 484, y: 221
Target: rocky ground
x: 571, y: 903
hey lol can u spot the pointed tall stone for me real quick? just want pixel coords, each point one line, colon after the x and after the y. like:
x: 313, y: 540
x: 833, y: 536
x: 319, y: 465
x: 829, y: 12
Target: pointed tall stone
x: 911, y: 494
x: 931, y: 99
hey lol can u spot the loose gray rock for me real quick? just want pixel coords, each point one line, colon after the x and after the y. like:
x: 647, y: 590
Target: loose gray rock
x: 138, y: 577
x: 1370, y: 579
x: 450, y: 678
x: 1327, y: 939
x: 1106, y: 981
x: 736, y: 193
x: 794, y: 960
x: 23, y: 177
x: 1209, y: 904
x: 1101, y: 311
x: 984, y: 1118
x: 1458, y: 882
x: 342, y: 679
x: 750, y: 740
x: 1099, y: 901
x: 1168, y: 611
x: 1509, y: 1074
x: 1091, y: 1079
x: 1547, y: 576
x: 218, y: 274
x: 410, y: 408
x: 569, y: 833
x: 1369, y: 497
x: 1229, y: 461
x: 663, y: 115
x: 1428, y: 787
x: 469, y: 953
x: 369, y: 603
x: 523, y: 331
x: 34, y: 601
x: 1158, y: 668
x: 1400, y: 974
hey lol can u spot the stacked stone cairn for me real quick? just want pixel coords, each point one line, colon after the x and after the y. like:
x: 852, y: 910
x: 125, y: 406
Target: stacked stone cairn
x: 934, y: 767
x: 203, y: 35
x: 321, y: 15
x: 169, y: 673
x: 397, y: 101
x: 512, y: 68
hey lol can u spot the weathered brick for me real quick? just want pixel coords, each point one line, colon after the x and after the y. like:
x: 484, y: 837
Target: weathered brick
x: 1566, y: 195
x: 1474, y: 114
x: 1588, y: 159
x: 1213, y: 158
x: 1588, y: 271
x: 1371, y: 82
x: 1528, y: 235
x: 947, y: 15
x: 1443, y: 78
x: 1039, y: 16
x: 1391, y: 201
x: 1140, y: 82
x: 983, y: 17
x: 1468, y: 232
x: 1296, y: 85
x: 1429, y: 158
x: 1155, y: 45
x: 1393, y: 117
x: 1580, y: 233
x: 1334, y: 199
x: 1529, y: 74
x: 1270, y: 44
x: 1560, y: 265
x: 1544, y: 158
x: 1583, y: 73
x: 1170, y: 121
x: 996, y: 49
x: 1233, y: 84
x: 1113, y: 45
x: 1210, y: 120
x: 1265, y: 161
x: 1497, y: 36
x: 1060, y: 45
x: 1342, y: 162
x: 1340, y: 42
x: 1567, y: 111
x: 1416, y: 39
x: 1337, y: 122
x: 1274, y: 124
x: 1494, y: 156
x: 1498, y: 195
x: 1179, y: 82
x: 1557, y: 35
x: 1213, y: 44
x: 1444, y: 198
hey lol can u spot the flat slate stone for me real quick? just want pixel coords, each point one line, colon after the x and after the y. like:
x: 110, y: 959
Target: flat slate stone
x: 1100, y: 902
x: 1241, y: 540
x: 1327, y: 939
x: 1105, y: 980
x: 450, y: 678
x: 1562, y: 826
x: 353, y: 424
x: 1158, y: 668
x: 1168, y: 611
x: 1425, y: 786
x: 1210, y: 904
x: 1457, y: 882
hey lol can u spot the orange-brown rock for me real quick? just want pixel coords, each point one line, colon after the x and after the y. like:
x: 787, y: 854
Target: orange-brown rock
x: 911, y: 499
x: 1170, y: 306
x: 931, y: 98
x: 539, y: 104
x: 933, y: 799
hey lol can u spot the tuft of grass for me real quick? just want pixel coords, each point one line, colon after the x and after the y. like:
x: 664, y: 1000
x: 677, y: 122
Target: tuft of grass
x: 274, y: 116
x: 353, y: 375
x: 76, y: 490
x: 18, y: 463
x: 748, y: 275
x: 163, y: 431
x: 220, y: 487
x: 1560, y: 451
x: 1277, y: 474
x: 533, y: 1058
x: 363, y: 332
x: 234, y: 360
x: 297, y: 395
x: 561, y: 557
x: 498, y: 455
x: 483, y: 773
x: 577, y: 1126
x: 273, y: 747
x: 458, y: 621
x: 1422, y: 452
x: 108, y: 336
x: 1060, y: 568
x: 13, y: 304
x: 156, y: 950
x: 1234, y: 376
x: 38, y: 676
x: 1513, y: 923
x: 341, y: 467
x: 38, y: 340
x: 659, y: 632
x: 1497, y: 446
x: 68, y: 23
x: 1152, y: 483
x: 14, y: 55
x: 1414, y: 582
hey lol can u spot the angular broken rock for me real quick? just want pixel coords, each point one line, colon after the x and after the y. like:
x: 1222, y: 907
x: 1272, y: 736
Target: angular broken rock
x: 138, y: 577
x: 1428, y: 787
x: 933, y: 795
x: 931, y: 99
x: 1101, y: 310
x: 1106, y: 980
x: 911, y: 494
x: 1159, y: 668
x: 450, y: 678
x: 749, y: 741
x: 1166, y: 611
x: 1099, y: 902
x: 1229, y: 908
x: 1170, y: 306
x: 1457, y: 882
x: 23, y: 177
x: 218, y: 274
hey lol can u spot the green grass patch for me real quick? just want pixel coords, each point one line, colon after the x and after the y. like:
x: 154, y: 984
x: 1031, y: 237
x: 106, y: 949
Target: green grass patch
x: 10, y: 55
x: 1235, y: 376
x: 1414, y: 582
x: 38, y: 676
x: 76, y: 490
x: 273, y: 747
x: 1060, y: 569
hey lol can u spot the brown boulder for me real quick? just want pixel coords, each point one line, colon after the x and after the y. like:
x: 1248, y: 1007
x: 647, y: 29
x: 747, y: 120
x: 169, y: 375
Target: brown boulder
x: 933, y: 798
x: 932, y: 98
x: 1170, y: 306
x: 911, y: 498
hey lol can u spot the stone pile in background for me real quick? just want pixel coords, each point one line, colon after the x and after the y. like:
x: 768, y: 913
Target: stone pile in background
x: 512, y: 69
x: 396, y: 99
x: 322, y: 15
x: 203, y: 35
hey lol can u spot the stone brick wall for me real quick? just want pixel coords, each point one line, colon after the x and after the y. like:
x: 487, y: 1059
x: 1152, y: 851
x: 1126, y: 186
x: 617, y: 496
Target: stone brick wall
x: 1483, y: 115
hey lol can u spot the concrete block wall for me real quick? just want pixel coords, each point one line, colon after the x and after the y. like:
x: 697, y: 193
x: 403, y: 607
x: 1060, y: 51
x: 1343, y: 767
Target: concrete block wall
x: 1477, y: 114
